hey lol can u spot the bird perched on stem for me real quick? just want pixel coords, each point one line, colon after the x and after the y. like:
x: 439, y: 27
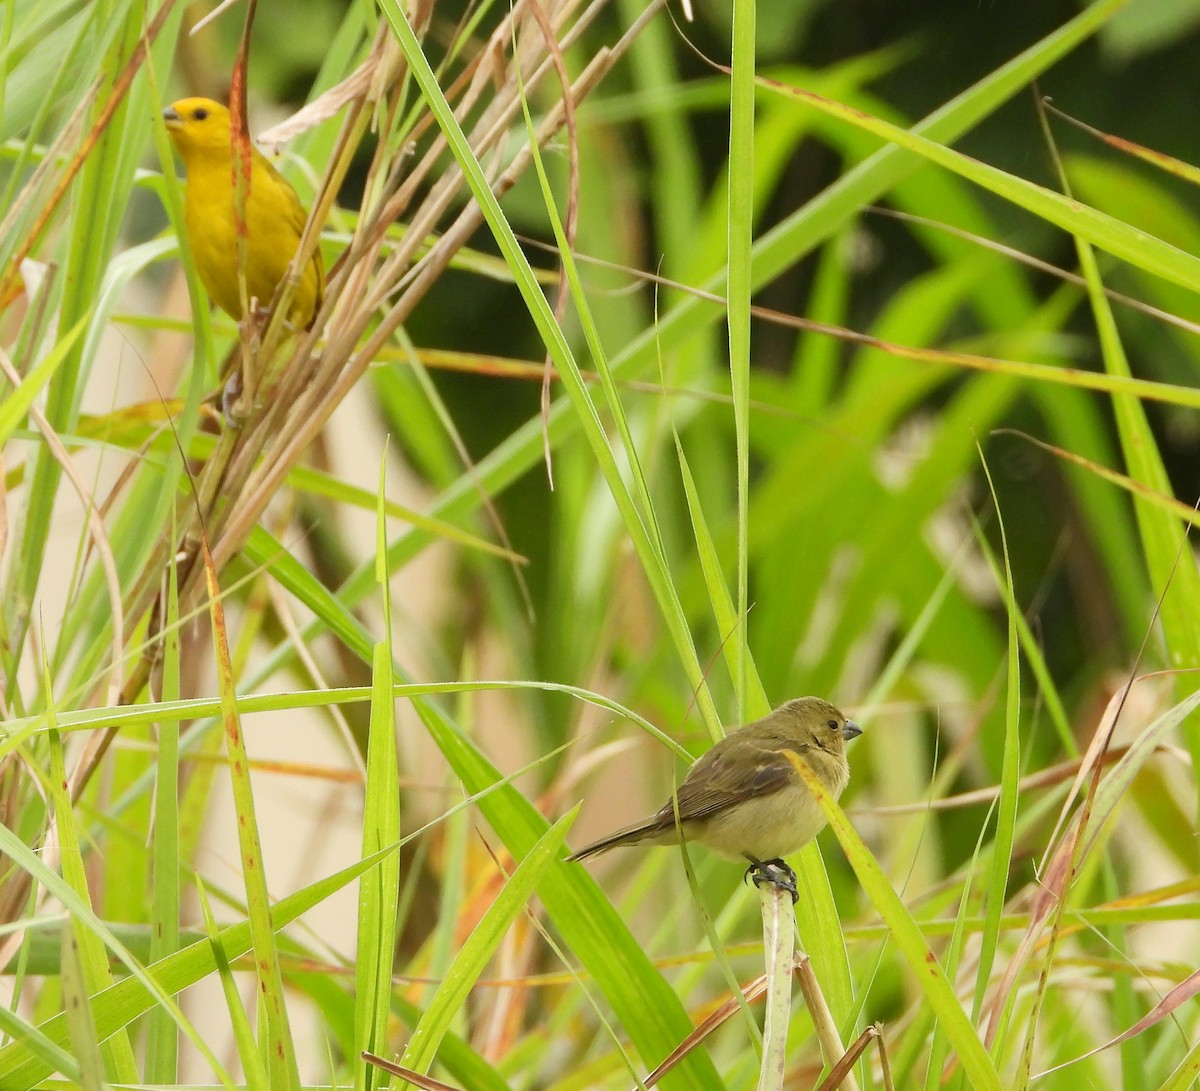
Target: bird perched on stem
x: 743, y: 798
x: 273, y: 215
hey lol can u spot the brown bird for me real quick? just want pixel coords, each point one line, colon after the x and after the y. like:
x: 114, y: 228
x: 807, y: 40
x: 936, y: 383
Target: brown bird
x: 743, y: 798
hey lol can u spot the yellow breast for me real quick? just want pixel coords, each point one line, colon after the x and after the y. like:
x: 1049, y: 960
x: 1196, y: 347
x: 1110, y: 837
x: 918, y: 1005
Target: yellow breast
x: 272, y: 240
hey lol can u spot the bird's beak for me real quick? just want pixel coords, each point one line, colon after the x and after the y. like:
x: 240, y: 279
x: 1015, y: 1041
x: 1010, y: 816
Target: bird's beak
x: 171, y: 117
x: 851, y: 731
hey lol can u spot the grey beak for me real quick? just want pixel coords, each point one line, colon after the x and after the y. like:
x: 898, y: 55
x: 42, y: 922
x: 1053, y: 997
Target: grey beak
x: 169, y: 114
x: 851, y: 731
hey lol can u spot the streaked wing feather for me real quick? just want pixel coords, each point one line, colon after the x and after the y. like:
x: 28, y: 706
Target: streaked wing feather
x: 729, y: 782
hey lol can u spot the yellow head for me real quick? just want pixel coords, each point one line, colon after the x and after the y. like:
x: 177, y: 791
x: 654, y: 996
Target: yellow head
x: 198, y: 127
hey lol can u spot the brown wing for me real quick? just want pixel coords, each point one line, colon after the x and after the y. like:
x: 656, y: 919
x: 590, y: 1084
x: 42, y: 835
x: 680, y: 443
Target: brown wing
x: 728, y: 775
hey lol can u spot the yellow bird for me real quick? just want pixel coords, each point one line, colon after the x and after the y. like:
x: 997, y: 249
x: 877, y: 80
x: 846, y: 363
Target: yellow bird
x: 275, y: 218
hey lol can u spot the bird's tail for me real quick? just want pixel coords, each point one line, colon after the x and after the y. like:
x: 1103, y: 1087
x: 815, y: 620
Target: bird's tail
x: 630, y: 835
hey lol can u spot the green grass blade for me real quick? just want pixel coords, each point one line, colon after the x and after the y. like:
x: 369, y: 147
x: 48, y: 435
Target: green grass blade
x: 638, y: 518
x: 1006, y: 811
x: 740, y: 240
x: 24, y: 1062
x: 278, y: 1047
x: 90, y: 962
x: 648, y: 1008
x: 253, y: 1069
x: 478, y: 949
x: 15, y: 405
x: 781, y: 247
x: 1117, y: 237
x: 78, y: 1008
x: 922, y: 962
x: 1164, y: 541
x: 162, y: 1039
x: 379, y: 890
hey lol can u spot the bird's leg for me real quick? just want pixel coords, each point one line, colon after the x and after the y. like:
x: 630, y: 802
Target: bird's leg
x: 245, y: 376
x: 231, y: 394
x: 775, y: 872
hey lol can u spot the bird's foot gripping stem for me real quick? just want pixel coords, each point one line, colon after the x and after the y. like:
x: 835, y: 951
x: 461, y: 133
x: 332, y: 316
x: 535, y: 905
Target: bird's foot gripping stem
x: 775, y: 872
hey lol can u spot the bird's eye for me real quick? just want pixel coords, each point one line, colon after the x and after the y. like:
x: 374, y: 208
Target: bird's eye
x: 200, y: 114
x: 833, y: 725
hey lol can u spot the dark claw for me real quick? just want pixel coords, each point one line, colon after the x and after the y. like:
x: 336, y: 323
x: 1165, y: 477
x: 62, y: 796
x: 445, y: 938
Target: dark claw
x: 775, y: 872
